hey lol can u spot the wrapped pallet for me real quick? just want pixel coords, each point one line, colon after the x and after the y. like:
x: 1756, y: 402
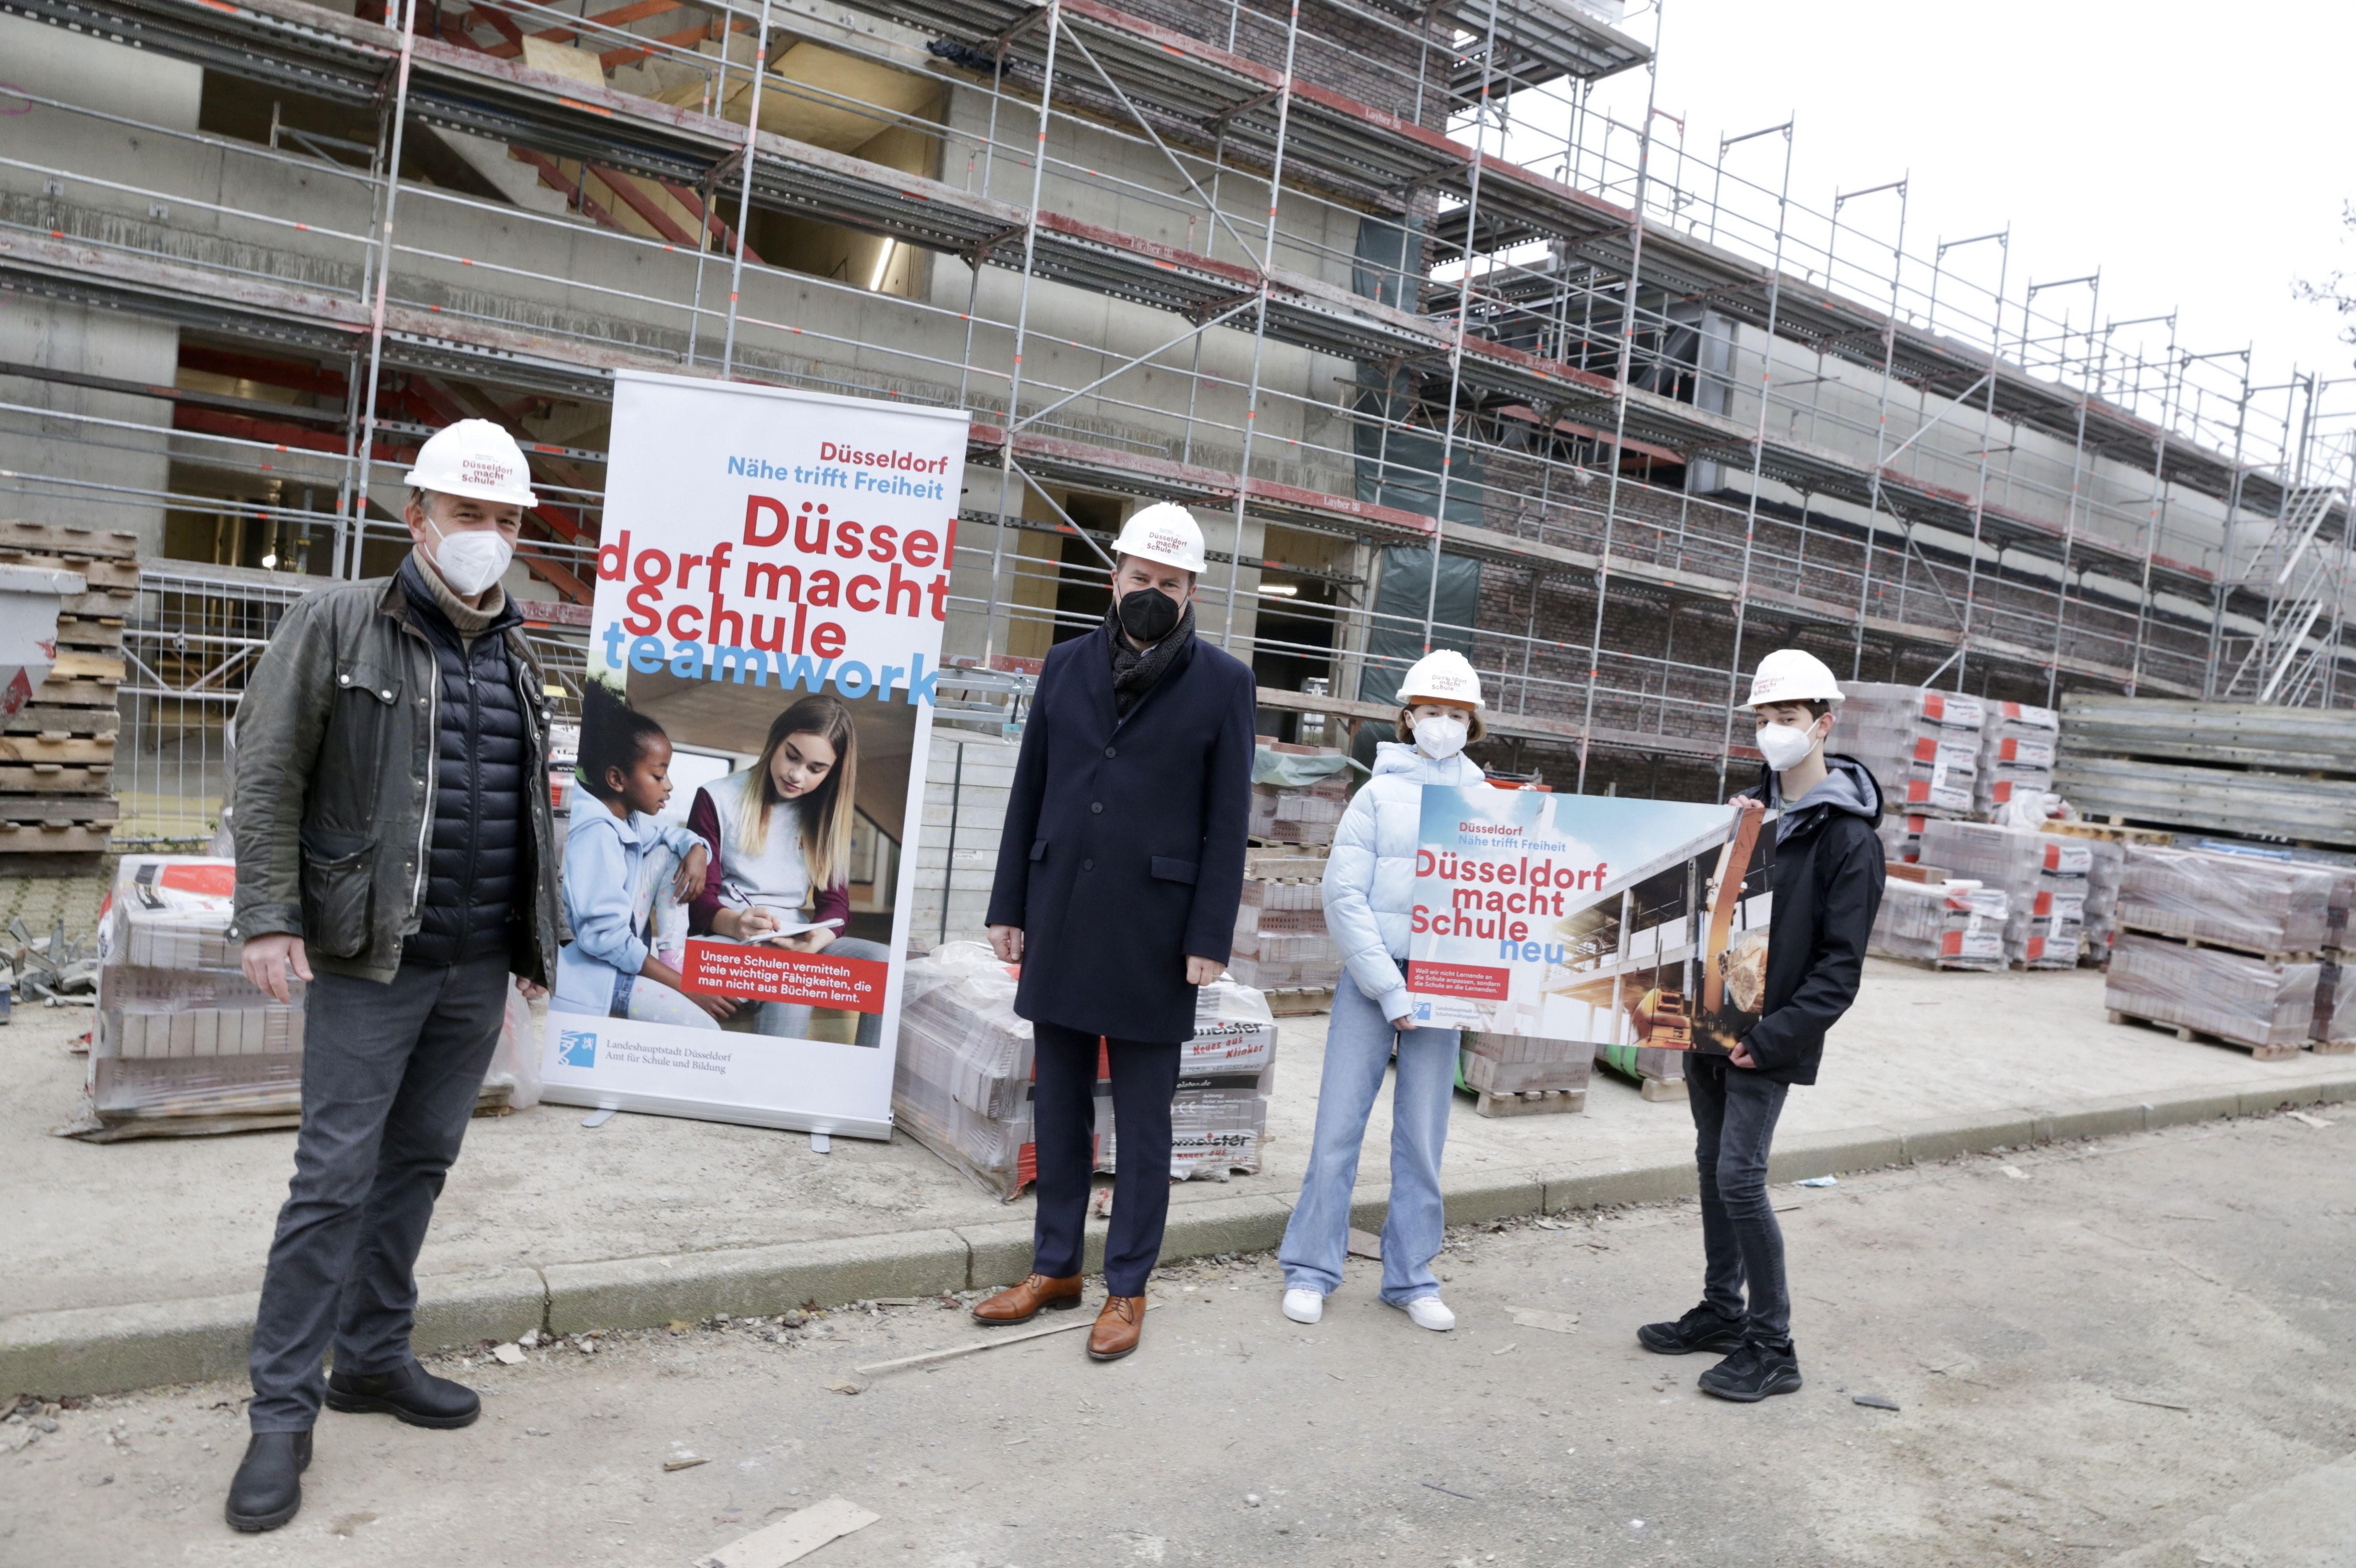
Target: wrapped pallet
x: 963, y: 1082
x: 183, y: 1041
x: 1953, y: 924
x: 1511, y: 1075
x: 2265, y: 1006
x: 2105, y: 864
x: 2259, y: 905
x: 2044, y: 879
x: 1923, y: 747
x: 2017, y: 745
x: 2334, y: 1031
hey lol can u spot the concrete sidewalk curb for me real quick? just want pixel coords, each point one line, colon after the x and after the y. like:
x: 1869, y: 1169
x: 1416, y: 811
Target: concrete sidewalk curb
x: 107, y: 1349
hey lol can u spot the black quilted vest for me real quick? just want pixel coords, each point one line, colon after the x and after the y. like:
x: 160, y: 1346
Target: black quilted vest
x: 478, y: 855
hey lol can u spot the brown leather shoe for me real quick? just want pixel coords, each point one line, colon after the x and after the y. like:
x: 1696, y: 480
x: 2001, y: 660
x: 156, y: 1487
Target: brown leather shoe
x: 1020, y: 1302
x: 1118, y: 1328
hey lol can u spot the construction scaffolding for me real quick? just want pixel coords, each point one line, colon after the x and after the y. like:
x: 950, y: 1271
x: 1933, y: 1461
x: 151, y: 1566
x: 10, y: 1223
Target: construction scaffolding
x: 1442, y: 352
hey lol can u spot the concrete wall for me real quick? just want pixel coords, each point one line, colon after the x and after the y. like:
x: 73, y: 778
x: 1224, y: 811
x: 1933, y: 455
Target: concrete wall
x: 67, y: 471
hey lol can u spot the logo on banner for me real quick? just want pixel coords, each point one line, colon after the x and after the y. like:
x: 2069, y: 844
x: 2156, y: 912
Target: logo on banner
x: 576, y: 1047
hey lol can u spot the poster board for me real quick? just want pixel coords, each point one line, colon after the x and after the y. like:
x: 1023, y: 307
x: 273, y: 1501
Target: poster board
x: 1590, y: 917
x: 766, y: 555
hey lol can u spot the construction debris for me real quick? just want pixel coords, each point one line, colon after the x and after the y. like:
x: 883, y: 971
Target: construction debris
x: 792, y: 1537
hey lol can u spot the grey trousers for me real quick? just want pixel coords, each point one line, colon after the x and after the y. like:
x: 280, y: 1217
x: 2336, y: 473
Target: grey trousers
x: 389, y: 1076
x: 1734, y: 1113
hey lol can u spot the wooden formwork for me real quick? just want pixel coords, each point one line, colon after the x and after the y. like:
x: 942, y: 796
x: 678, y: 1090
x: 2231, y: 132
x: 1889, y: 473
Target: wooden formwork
x: 58, y: 751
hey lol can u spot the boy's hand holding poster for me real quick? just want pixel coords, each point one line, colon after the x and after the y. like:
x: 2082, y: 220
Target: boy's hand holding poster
x: 1589, y: 918
x: 773, y: 579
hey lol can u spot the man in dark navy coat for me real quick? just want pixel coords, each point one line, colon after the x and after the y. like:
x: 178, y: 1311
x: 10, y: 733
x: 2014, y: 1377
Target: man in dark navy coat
x: 1117, y: 879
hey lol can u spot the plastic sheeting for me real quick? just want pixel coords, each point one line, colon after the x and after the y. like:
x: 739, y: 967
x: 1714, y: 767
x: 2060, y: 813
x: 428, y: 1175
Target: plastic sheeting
x: 1957, y: 925
x: 2266, y: 905
x: 2238, y: 997
x: 963, y: 1079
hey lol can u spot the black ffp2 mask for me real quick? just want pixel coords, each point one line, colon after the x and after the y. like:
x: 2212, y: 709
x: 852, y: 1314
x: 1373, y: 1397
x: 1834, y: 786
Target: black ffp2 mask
x: 1148, y: 614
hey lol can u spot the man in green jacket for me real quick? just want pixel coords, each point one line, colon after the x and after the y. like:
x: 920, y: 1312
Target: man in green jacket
x: 395, y: 852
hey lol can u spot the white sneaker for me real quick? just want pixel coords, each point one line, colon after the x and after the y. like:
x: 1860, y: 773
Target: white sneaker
x: 1431, y: 1312
x: 1303, y: 1305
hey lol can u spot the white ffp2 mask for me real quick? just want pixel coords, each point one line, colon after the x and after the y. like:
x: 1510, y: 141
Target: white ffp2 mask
x: 1785, y: 746
x: 1441, y: 737
x: 471, y: 559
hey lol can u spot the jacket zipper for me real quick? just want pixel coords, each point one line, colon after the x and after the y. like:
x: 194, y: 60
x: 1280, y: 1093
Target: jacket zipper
x: 432, y: 769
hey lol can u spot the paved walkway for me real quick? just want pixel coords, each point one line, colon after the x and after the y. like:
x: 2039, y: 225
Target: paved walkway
x: 95, y: 1225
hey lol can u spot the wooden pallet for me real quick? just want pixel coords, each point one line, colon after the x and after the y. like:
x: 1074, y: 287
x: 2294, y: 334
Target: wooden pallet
x: 1300, y: 1001
x: 2276, y: 957
x: 2114, y: 832
x: 2182, y: 1031
x: 57, y: 754
x: 2333, y: 1047
x: 1530, y: 1103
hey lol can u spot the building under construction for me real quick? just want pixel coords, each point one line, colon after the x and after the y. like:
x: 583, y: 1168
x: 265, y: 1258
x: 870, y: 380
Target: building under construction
x: 1441, y: 353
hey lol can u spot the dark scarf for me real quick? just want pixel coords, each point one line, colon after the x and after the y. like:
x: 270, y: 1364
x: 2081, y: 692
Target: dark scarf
x: 1134, y: 674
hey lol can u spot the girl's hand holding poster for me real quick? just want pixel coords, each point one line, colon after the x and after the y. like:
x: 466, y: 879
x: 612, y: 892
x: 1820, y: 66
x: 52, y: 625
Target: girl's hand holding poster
x: 772, y: 583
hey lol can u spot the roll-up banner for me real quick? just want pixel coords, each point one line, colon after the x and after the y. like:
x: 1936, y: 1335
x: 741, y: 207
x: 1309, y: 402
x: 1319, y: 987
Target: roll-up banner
x: 772, y: 576
x: 1622, y: 923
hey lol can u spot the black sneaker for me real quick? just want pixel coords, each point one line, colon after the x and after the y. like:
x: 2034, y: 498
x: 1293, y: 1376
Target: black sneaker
x: 411, y: 1393
x: 1754, y: 1373
x: 1701, y: 1329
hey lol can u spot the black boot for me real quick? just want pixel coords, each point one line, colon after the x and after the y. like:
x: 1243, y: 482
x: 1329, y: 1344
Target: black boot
x: 1702, y: 1329
x: 1754, y: 1373
x: 411, y: 1393
x: 269, y: 1484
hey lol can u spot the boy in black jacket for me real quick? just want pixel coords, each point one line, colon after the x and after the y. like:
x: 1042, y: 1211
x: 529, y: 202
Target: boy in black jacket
x: 1828, y: 878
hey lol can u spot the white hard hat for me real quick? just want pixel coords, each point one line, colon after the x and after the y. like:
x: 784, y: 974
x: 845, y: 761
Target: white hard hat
x: 1166, y: 532
x: 477, y: 458
x: 1444, y: 675
x: 1791, y: 674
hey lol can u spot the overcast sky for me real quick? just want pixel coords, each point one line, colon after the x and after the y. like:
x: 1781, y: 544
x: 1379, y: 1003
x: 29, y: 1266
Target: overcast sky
x: 2197, y: 154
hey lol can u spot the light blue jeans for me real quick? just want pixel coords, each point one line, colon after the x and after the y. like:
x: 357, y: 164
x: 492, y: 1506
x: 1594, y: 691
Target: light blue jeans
x: 1357, y: 1049
x: 792, y: 1020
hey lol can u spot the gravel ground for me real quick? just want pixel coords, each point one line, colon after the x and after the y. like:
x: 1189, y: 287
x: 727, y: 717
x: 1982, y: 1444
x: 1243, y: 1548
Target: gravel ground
x: 2092, y: 1348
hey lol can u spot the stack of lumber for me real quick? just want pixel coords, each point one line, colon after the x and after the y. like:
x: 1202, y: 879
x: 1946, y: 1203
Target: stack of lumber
x: 56, y: 751
x: 2286, y: 773
x: 2222, y: 946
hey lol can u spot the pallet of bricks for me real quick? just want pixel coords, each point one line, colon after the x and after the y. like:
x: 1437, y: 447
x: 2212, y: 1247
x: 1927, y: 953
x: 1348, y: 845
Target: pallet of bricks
x: 1517, y: 1075
x: 2334, y: 1033
x: 1282, y: 945
x: 2108, y: 847
x: 1922, y: 748
x: 1931, y: 918
x: 184, y: 1043
x: 2221, y: 946
x: 2044, y: 879
x: 962, y: 1080
x: 56, y: 746
x: 2016, y: 761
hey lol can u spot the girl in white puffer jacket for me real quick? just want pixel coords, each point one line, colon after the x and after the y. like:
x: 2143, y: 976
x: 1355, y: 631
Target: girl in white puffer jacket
x: 1369, y: 894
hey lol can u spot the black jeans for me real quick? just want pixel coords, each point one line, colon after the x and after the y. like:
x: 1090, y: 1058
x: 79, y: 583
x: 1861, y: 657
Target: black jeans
x: 1734, y: 1111
x: 1063, y: 1118
x: 389, y: 1076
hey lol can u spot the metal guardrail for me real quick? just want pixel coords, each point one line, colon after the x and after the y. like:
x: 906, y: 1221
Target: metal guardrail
x: 189, y: 648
